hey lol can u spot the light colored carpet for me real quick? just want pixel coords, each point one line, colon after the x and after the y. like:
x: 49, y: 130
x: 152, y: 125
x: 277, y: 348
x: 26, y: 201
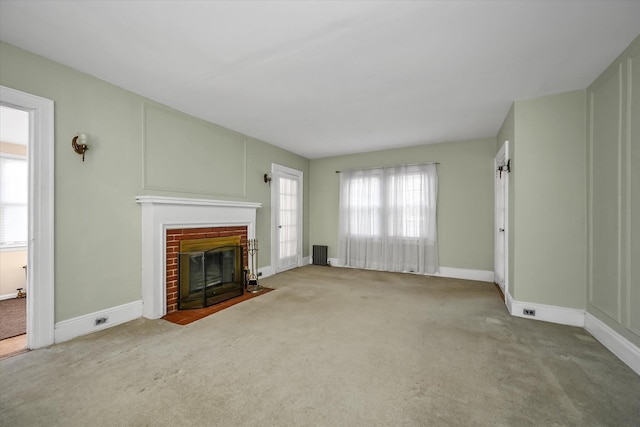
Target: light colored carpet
x: 329, y: 347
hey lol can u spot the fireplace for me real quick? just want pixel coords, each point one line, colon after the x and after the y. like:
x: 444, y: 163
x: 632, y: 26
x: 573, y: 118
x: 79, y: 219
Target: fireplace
x: 209, y: 271
x: 168, y: 220
x: 198, y: 240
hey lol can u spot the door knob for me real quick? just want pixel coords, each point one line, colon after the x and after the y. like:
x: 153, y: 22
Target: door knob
x: 501, y: 230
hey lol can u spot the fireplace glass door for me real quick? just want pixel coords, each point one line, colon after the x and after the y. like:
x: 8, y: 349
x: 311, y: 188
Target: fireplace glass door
x: 209, y: 277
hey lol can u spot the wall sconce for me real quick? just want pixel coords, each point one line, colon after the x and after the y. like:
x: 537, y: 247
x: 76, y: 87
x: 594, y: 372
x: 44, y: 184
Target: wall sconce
x: 504, y: 168
x: 267, y: 178
x: 79, y: 144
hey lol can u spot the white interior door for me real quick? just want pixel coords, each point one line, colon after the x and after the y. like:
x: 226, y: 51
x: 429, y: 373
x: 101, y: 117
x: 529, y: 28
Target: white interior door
x: 501, y: 219
x: 286, y: 217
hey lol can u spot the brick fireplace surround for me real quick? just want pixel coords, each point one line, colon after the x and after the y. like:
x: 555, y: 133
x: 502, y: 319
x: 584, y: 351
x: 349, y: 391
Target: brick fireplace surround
x: 173, y: 238
x: 166, y: 221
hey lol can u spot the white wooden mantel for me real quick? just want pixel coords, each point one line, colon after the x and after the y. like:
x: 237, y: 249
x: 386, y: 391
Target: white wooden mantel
x: 160, y: 214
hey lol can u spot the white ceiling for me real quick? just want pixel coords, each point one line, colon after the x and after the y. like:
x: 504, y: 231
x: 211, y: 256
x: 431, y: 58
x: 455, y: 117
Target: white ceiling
x: 322, y: 78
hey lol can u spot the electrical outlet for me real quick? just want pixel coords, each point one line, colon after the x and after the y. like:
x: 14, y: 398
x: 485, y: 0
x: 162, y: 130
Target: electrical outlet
x: 528, y: 312
x: 101, y: 320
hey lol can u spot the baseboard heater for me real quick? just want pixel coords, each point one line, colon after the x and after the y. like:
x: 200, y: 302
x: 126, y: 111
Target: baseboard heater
x: 319, y: 255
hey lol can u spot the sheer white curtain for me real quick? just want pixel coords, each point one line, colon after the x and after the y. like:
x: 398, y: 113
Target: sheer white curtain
x: 388, y: 218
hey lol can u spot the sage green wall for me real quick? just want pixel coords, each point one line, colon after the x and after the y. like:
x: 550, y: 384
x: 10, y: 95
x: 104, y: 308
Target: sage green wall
x: 507, y: 130
x: 549, y: 190
x: 97, y: 221
x: 507, y: 133
x: 614, y: 195
x: 465, y: 197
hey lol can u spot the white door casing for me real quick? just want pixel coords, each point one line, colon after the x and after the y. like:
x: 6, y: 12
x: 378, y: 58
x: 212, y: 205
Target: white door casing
x: 286, y: 217
x: 501, y: 220
x: 40, y: 245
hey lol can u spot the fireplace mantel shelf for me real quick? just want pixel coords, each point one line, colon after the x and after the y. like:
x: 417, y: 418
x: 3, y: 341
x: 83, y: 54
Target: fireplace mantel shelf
x: 195, y: 202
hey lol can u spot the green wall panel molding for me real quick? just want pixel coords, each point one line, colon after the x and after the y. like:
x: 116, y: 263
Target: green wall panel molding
x: 614, y: 195
x: 190, y: 156
x: 633, y: 191
x: 605, y: 105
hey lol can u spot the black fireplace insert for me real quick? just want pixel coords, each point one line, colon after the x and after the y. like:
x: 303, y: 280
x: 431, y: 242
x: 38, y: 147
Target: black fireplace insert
x: 209, y: 277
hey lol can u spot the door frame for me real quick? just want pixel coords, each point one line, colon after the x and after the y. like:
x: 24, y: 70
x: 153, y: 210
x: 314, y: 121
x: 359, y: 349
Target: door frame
x: 275, y: 252
x: 502, y: 157
x: 40, y: 244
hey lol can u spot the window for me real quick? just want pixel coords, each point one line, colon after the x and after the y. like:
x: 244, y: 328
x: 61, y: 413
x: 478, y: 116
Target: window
x: 388, y: 218
x: 406, y: 191
x: 13, y: 201
x: 365, y: 206
x: 288, y: 217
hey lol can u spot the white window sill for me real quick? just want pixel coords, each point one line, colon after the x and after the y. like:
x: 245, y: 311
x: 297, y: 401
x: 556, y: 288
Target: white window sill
x: 13, y: 248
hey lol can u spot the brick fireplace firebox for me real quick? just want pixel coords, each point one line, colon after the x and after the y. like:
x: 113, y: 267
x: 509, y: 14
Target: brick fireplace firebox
x: 163, y: 216
x: 173, y: 238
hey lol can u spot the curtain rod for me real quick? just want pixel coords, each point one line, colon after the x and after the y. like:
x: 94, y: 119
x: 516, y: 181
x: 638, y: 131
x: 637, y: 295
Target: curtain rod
x: 383, y: 167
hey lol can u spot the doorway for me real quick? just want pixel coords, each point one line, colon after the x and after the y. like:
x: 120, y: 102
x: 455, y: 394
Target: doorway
x: 40, y: 242
x: 286, y: 218
x: 501, y: 220
x: 14, y: 192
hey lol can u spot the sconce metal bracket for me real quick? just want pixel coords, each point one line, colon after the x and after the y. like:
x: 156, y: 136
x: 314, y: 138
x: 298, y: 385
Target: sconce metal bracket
x: 79, y: 148
x: 504, y: 168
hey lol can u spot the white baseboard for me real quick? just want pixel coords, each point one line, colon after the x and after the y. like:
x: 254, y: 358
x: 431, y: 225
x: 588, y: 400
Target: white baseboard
x: 465, y: 273
x: 624, y: 349
x: 82, y: 325
x: 266, y: 272
x: 508, y: 301
x: 454, y: 273
x: 9, y: 296
x: 548, y: 313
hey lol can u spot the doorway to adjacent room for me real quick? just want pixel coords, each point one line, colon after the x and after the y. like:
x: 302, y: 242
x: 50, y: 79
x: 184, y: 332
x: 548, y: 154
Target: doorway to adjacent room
x: 39, y: 207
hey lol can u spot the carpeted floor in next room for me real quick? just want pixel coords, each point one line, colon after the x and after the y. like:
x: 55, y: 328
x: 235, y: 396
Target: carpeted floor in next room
x: 329, y: 347
x: 13, y: 317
